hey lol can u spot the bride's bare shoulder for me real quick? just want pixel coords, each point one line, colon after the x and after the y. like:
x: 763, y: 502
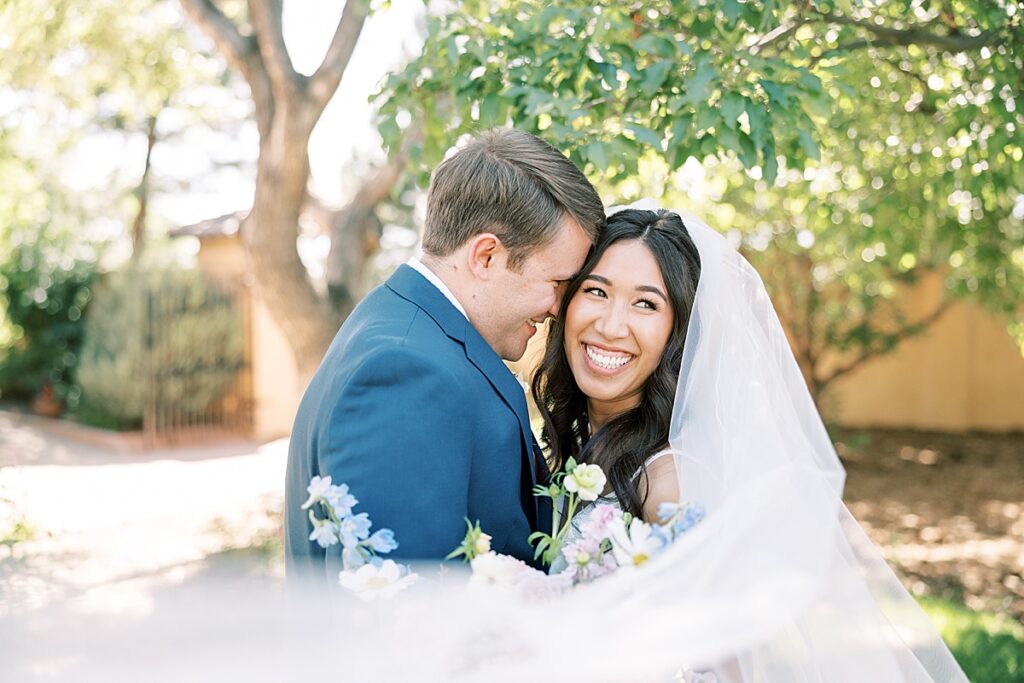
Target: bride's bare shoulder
x: 660, y: 482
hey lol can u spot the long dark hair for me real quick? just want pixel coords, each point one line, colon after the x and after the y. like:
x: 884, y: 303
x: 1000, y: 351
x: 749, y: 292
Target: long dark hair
x: 624, y: 443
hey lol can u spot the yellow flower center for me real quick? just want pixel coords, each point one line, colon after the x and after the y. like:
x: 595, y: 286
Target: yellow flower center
x: 640, y: 558
x: 377, y: 582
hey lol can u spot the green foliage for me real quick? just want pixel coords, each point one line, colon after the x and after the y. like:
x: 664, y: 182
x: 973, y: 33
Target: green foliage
x: 162, y: 338
x: 608, y: 81
x: 45, y: 289
x: 852, y: 148
x: 80, y: 77
x: 989, y: 647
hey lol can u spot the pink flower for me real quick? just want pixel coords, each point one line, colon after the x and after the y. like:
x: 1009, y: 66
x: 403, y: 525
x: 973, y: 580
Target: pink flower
x: 596, y: 526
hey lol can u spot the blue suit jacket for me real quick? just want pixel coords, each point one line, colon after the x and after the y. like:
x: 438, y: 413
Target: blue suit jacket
x: 420, y: 417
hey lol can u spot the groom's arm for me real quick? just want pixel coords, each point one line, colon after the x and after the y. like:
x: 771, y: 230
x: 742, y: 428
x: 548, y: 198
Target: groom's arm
x: 400, y: 438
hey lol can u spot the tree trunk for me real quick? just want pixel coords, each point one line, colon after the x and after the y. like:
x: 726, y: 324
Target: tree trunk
x: 288, y: 105
x: 270, y: 234
x: 138, y: 233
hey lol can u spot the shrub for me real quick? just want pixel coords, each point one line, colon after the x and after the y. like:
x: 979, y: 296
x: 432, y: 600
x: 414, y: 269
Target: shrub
x: 45, y: 287
x: 164, y: 340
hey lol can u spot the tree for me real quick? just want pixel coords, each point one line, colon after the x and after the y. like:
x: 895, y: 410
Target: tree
x: 865, y: 144
x: 287, y: 107
x: 91, y: 69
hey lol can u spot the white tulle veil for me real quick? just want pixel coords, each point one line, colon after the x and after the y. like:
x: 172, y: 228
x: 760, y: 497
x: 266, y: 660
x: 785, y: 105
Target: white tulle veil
x: 778, y: 583
x: 810, y: 597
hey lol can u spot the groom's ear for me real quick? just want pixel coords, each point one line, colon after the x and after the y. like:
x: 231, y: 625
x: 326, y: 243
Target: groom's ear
x: 485, y: 253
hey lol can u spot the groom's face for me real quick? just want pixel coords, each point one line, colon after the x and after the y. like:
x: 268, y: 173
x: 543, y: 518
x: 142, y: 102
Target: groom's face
x: 526, y: 296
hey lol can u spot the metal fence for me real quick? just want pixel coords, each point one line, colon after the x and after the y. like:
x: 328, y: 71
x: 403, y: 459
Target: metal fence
x: 198, y: 361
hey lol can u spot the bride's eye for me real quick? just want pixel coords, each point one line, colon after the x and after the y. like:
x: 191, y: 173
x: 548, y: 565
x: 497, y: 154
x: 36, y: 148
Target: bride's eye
x: 596, y: 291
x: 648, y: 304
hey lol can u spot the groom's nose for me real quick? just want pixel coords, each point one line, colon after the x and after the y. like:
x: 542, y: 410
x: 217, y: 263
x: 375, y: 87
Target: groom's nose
x: 556, y: 304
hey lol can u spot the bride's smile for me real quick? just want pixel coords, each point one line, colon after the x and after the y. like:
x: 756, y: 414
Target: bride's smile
x: 616, y: 327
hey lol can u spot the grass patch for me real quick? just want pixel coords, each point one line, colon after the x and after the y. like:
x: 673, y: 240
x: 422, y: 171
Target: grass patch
x: 989, y: 646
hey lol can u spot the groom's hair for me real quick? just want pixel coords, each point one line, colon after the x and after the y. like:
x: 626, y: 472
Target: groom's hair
x: 512, y: 184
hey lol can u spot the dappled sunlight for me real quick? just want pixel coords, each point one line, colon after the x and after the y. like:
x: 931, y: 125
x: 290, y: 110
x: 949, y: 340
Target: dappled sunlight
x: 945, y: 510
x: 108, y: 534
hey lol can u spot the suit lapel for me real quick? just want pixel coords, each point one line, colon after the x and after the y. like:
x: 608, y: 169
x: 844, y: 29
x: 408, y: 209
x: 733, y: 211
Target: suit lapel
x: 413, y: 287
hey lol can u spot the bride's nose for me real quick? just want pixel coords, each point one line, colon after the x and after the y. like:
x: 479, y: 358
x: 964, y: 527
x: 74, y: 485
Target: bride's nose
x: 611, y: 324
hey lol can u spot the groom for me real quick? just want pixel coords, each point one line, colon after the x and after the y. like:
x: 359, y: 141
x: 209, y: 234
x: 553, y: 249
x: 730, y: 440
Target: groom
x: 412, y: 406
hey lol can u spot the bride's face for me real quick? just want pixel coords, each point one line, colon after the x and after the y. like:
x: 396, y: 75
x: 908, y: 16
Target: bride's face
x: 617, y: 325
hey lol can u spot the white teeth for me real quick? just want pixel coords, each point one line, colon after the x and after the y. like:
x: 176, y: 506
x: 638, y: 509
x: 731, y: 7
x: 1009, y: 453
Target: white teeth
x: 606, y: 361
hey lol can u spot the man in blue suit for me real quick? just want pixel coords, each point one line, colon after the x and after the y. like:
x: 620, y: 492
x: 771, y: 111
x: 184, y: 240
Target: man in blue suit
x: 412, y: 406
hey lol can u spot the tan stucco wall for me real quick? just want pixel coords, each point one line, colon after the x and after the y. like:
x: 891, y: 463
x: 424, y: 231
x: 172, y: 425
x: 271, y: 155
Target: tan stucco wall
x: 275, y: 375
x: 275, y: 383
x: 964, y: 373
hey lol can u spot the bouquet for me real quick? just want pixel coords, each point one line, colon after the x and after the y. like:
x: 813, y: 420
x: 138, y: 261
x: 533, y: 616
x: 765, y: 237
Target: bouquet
x: 582, y: 547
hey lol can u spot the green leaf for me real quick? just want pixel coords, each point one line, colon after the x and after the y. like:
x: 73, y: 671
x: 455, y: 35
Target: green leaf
x: 732, y: 105
x: 645, y: 135
x: 817, y: 104
x: 654, y: 76
x: 760, y: 123
x: 698, y: 86
x: 778, y: 94
x: 730, y: 139
x: 493, y: 111
x: 809, y: 145
x: 771, y: 164
x: 707, y: 117
x: 748, y: 151
x: 389, y: 131
x: 608, y: 72
x: 731, y: 9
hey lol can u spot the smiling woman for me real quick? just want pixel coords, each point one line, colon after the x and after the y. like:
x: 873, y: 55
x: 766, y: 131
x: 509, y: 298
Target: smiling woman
x: 606, y: 384
x: 616, y: 329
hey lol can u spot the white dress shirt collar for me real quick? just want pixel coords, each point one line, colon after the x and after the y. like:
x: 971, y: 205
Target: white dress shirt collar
x: 432, y: 277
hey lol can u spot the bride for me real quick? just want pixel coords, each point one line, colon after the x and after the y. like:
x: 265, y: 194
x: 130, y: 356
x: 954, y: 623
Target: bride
x: 668, y: 368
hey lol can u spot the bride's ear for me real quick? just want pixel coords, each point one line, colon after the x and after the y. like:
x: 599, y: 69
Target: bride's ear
x: 485, y: 253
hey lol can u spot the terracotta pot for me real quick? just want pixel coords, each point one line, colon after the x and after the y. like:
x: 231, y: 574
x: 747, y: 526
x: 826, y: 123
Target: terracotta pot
x: 46, y: 404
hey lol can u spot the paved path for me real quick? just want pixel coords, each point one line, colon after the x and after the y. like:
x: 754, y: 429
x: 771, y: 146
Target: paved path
x: 111, y: 526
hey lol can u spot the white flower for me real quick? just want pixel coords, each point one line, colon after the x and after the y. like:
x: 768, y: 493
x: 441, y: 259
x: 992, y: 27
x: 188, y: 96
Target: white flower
x: 635, y: 545
x: 318, y: 487
x: 370, y: 582
x: 325, y: 532
x: 505, y: 572
x: 587, y: 481
x: 497, y: 570
x: 482, y: 546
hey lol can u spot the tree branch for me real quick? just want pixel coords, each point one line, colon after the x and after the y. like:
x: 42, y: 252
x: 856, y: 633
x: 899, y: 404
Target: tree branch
x: 905, y: 333
x: 235, y: 47
x: 324, y: 82
x: 777, y: 34
x: 266, y: 18
x: 885, y: 36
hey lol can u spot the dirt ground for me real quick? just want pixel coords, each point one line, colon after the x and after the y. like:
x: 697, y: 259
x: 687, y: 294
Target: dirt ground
x: 947, y: 510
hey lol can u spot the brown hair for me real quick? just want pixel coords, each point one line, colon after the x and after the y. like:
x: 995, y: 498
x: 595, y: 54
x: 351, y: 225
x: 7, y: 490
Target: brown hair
x: 512, y: 184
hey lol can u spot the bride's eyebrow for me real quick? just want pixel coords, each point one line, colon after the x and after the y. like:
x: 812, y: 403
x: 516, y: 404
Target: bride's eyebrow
x: 652, y: 290
x: 640, y: 288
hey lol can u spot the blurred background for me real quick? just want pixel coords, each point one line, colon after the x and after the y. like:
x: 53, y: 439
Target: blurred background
x: 194, y: 194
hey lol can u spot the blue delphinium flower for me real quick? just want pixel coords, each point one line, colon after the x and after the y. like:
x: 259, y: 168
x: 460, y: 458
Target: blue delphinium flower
x: 691, y: 517
x: 354, y: 529
x: 340, y: 500
x: 325, y: 532
x: 382, y: 541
